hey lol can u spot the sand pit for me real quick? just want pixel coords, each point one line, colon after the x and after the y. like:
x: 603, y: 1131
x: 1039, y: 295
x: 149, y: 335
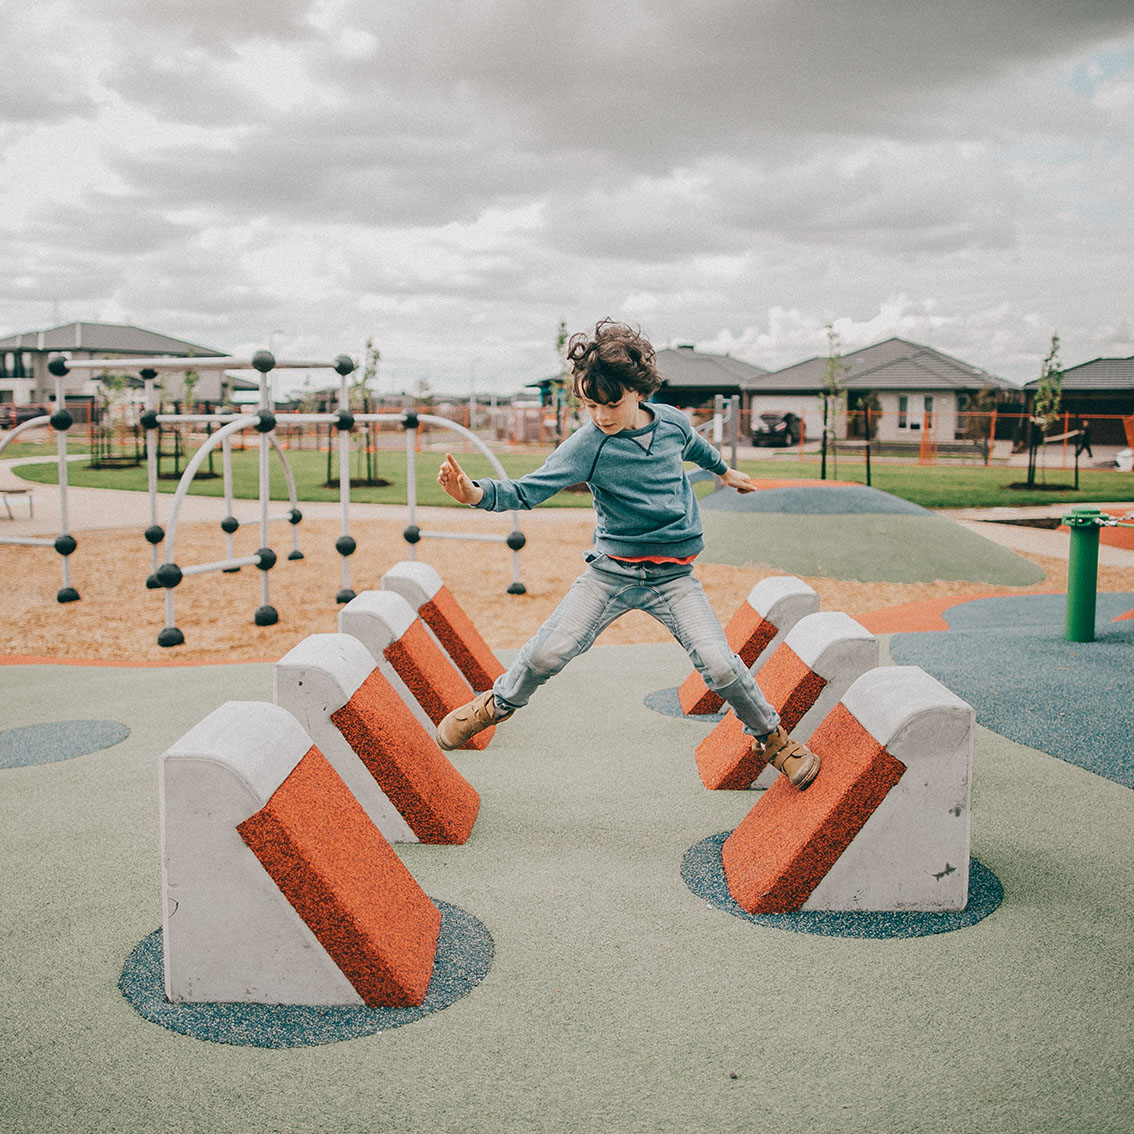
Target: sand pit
x: 118, y: 619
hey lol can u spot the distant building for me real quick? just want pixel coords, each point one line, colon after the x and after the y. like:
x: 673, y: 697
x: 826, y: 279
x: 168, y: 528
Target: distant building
x: 691, y: 379
x: 24, y: 377
x: 1100, y: 391
x: 909, y: 384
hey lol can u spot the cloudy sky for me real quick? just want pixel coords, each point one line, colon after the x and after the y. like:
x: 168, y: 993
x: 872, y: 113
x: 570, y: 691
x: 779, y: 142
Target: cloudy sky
x: 454, y: 177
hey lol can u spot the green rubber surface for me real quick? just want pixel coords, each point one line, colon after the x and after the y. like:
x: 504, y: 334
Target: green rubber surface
x: 617, y: 1000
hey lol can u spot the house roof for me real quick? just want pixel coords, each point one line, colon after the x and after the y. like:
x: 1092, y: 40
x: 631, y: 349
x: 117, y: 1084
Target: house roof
x: 117, y: 338
x: 895, y: 364
x: 1098, y: 374
x: 685, y: 367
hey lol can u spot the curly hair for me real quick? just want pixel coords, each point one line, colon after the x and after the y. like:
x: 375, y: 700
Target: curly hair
x: 615, y: 359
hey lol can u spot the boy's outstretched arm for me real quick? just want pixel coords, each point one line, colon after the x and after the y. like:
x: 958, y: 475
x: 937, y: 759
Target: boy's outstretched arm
x: 734, y: 478
x: 457, y: 483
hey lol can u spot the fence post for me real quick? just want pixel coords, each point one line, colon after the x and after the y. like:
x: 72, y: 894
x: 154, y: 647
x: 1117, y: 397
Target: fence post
x: 867, y: 415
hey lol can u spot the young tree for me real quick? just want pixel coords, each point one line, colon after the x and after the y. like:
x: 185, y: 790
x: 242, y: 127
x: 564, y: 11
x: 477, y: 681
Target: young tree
x: 360, y: 400
x: 559, y: 384
x: 111, y: 394
x: 979, y: 419
x: 1046, y: 405
x: 832, y: 396
x: 189, y: 388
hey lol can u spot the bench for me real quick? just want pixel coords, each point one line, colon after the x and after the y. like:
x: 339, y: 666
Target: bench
x: 21, y: 494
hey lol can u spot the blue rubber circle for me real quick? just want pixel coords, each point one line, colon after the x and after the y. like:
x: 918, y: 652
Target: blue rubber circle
x: 665, y: 701
x: 703, y: 873
x: 60, y: 740
x: 464, y: 956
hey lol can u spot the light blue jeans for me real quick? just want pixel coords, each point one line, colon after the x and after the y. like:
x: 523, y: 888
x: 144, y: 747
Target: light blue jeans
x: 668, y: 592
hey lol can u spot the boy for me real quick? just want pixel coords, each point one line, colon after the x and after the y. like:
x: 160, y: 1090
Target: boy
x: 631, y: 454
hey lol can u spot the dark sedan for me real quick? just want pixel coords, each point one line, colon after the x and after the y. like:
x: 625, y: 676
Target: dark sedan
x: 775, y: 429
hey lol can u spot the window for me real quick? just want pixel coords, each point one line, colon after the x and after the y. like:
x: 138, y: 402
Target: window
x: 903, y: 411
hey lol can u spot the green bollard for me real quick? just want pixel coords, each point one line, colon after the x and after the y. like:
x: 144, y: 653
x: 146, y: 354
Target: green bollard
x: 1082, y: 572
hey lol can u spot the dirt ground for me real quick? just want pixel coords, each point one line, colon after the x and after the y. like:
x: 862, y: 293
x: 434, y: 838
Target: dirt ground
x: 118, y: 619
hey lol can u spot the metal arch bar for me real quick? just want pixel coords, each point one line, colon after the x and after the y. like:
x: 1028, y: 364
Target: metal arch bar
x: 31, y: 423
x: 493, y: 460
x: 191, y: 363
x: 26, y: 541
x: 198, y: 458
x: 221, y: 565
x: 459, y: 535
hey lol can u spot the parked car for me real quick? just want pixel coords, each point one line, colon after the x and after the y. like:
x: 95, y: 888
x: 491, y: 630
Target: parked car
x: 775, y: 429
x: 12, y: 415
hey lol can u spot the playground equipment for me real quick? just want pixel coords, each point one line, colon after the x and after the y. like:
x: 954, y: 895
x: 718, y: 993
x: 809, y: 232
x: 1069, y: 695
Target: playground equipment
x: 332, y: 685
x: 887, y: 824
x: 1084, y: 520
x: 421, y: 586
x: 755, y: 631
x: 65, y: 543
x: 390, y: 629
x: 279, y: 885
x: 276, y: 886
x: 810, y: 670
x: 166, y: 572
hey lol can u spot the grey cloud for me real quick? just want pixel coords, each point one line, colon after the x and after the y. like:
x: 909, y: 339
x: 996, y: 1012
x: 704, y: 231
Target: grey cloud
x: 38, y: 83
x: 186, y: 87
x: 107, y: 224
x: 212, y: 24
x: 686, y: 78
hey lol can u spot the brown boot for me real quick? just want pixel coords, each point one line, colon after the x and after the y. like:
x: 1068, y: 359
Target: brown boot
x: 462, y: 724
x: 789, y: 757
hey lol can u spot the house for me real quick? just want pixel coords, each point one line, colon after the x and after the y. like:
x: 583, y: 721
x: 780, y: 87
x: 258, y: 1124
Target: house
x: 906, y: 385
x: 24, y: 377
x: 1100, y: 391
x: 692, y: 379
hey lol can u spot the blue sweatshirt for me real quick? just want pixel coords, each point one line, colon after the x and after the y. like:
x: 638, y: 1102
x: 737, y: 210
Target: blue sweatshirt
x: 644, y: 501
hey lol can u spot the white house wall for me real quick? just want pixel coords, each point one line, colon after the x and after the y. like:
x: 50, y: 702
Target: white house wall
x: 809, y: 407
x: 944, y: 415
x: 18, y: 390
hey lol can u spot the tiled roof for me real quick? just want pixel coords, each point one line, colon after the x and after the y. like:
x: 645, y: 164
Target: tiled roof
x: 891, y: 365
x: 684, y: 366
x: 1098, y: 374
x: 114, y: 338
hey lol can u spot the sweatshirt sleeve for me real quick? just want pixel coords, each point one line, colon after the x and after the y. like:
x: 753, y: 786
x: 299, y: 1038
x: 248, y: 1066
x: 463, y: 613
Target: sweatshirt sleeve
x: 700, y: 452
x: 569, y: 464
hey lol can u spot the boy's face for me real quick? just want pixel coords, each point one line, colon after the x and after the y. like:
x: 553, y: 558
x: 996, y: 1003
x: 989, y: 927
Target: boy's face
x: 613, y: 417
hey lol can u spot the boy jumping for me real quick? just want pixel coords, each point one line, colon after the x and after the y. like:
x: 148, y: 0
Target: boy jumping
x: 631, y: 455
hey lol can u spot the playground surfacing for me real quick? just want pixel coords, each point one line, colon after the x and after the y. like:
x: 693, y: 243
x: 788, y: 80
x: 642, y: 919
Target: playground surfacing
x: 616, y: 998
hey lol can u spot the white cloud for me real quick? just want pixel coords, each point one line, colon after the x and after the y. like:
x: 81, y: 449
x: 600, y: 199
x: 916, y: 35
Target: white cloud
x: 454, y: 178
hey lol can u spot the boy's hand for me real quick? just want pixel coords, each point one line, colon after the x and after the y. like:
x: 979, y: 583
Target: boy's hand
x: 742, y: 482
x: 457, y: 483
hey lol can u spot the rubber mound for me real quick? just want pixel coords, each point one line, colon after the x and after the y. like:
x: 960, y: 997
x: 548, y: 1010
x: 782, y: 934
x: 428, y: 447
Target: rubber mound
x: 464, y: 956
x: 875, y: 547
x: 60, y: 740
x: 1008, y: 658
x: 818, y: 498
x: 703, y: 873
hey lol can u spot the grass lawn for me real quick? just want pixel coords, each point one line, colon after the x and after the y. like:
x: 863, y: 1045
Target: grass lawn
x: 948, y: 485
x: 932, y: 486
